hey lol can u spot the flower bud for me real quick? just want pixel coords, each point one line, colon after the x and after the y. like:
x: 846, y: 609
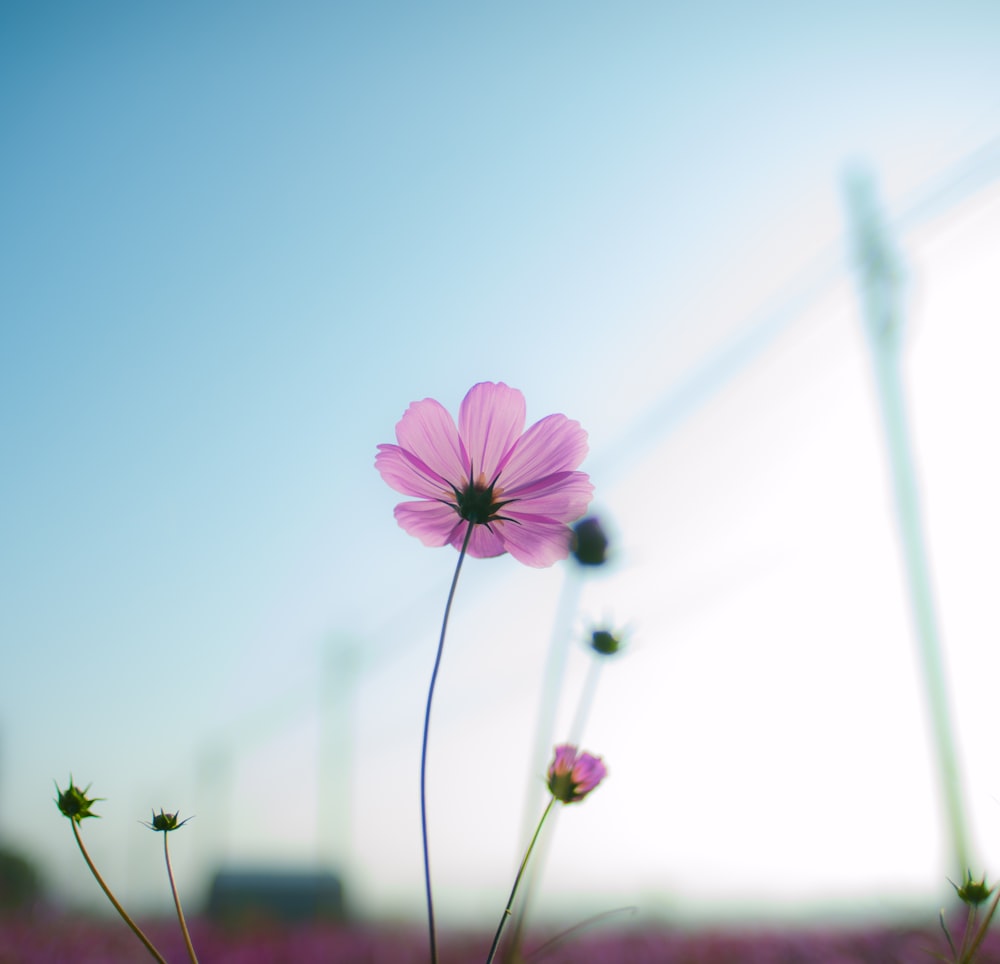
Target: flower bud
x: 972, y: 892
x: 73, y: 802
x: 589, y: 544
x: 165, y: 822
x: 606, y: 643
x: 572, y: 775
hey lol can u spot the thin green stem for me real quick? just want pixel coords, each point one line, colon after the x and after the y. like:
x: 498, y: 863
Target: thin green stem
x: 114, y: 902
x: 517, y: 880
x: 576, y: 928
x: 576, y: 731
x: 967, y: 932
x: 552, y: 682
x: 423, y: 751
x: 947, y: 935
x: 177, y: 903
x: 983, y: 928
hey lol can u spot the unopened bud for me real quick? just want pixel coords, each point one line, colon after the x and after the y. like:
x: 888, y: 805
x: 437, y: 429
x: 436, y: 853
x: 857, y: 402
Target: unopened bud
x: 589, y: 544
x: 74, y: 804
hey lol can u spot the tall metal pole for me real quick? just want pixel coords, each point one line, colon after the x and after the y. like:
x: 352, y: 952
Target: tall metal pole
x: 879, y: 284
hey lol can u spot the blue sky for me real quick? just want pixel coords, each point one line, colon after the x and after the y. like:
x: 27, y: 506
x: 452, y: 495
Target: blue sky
x: 238, y: 241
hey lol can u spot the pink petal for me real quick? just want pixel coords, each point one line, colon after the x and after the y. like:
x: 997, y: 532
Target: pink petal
x: 490, y: 420
x: 428, y: 432
x: 407, y: 474
x: 484, y: 544
x: 534, y: 542
x: 554, y: 444
x: 433, y: 523
x: 562, y: 762
x: 562, y: 497
x: 588, y: 772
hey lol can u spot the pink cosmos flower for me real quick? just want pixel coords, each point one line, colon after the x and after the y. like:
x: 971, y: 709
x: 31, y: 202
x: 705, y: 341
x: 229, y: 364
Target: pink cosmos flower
x: 518, y: 490
x: 572, y: 775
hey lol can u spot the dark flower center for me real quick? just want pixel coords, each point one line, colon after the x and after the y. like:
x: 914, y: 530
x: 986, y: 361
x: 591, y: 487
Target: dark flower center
x: 476, y: 504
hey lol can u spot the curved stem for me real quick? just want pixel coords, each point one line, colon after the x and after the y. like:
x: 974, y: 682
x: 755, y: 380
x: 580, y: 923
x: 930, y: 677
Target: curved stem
x: 517, y: 881
x: 570, y: 931
x: 423, y: 751
x: 107, y: 892
x: 177, y: 903
x: 575, y: 732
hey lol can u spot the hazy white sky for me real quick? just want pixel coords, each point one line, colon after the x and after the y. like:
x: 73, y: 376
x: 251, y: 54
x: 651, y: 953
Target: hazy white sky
x: 238, y: 242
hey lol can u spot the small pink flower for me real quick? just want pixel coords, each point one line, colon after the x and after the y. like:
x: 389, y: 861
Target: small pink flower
x: 572, y: 775
x: 518, y: 490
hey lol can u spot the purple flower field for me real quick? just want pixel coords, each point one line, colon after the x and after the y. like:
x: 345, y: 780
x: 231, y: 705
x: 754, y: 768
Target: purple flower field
x: 60, y: 939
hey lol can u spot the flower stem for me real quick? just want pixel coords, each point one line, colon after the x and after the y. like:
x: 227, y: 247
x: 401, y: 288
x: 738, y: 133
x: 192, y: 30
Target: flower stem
x: 114, y: 902
x: 177, y: 903
x: 423, y: 751
x: 552, y: 682
x: 983, y: 928
x: 517, y: 881
x: 582, y: 712
x: 967, y: 933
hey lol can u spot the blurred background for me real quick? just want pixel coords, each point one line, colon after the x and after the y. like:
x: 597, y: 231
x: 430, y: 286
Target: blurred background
x: 239, y: 239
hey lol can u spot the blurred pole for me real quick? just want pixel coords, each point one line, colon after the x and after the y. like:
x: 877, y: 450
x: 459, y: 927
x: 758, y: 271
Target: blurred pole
x: 879, y: 284
x: 548, y: 705
x: 338, y: 688
x: 545, y: 741
x: 215, y: 778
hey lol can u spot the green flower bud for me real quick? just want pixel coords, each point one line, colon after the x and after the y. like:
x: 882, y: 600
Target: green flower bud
x: 73, y: 802
x: 972, y: 892
x: 165, y: 822
x: 606, y: 643
x: 589, y: 543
